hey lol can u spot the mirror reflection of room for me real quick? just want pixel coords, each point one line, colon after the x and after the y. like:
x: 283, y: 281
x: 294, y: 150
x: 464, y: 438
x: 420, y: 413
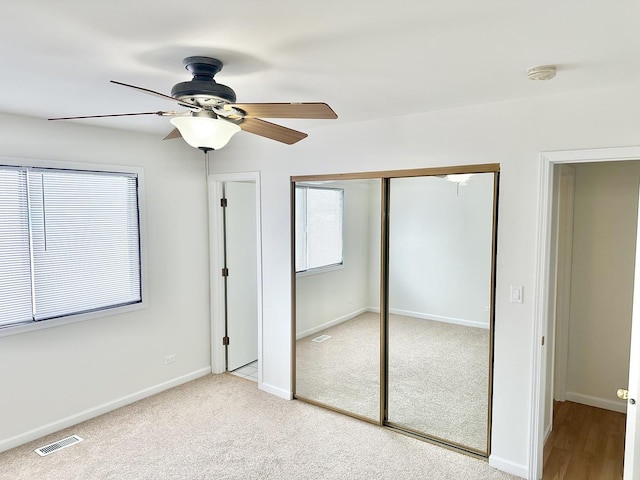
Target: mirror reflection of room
x: 337, y: 237
x: 423, y: 366
x: 440, y: 241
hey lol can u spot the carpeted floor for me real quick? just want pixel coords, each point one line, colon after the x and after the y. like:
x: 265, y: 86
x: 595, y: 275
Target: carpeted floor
x: 223, y: 427
x: 438, y: 374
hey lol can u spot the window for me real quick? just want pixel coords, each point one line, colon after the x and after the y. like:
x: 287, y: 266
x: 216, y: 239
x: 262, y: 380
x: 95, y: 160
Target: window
x: 69, y: 243
x: 319, y: 213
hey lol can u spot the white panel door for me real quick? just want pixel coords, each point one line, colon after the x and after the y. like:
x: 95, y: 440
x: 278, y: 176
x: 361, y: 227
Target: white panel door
x: 632, y: 439
x: 242, y: 281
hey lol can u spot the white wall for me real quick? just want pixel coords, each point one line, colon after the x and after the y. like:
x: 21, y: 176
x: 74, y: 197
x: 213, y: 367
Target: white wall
x: 510, y: 133
x: 58, y: 376
x: 604, y: 241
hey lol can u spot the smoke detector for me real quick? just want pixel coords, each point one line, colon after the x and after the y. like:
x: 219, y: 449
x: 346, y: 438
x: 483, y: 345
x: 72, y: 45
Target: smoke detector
x: 541, y: 72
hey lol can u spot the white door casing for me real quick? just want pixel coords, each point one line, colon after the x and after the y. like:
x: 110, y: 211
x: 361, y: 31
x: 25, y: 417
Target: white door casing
x: 216, y: 252
x: 541, y: 318
x: 563, y: 300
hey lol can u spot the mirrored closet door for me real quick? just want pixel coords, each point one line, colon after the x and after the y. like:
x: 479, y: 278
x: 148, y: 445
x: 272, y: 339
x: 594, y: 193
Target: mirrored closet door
x: 337, y: 294
x: 393, y: 299
x: 440, y: 283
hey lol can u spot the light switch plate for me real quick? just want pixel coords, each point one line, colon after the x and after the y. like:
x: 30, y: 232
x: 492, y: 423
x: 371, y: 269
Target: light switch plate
x: 516, y: 293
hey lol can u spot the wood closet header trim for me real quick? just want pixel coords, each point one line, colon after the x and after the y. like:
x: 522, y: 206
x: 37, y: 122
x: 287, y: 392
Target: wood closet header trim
x: 417, y: 172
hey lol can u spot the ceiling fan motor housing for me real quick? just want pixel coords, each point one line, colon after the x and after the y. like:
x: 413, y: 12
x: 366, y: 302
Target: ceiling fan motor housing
x: 203, y: 70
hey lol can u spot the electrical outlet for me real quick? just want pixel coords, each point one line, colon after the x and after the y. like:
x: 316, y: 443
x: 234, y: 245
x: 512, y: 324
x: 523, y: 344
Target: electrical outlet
x: 170, y: 359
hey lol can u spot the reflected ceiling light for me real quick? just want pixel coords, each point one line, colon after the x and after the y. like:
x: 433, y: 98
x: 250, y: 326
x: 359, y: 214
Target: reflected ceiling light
x: 204, y: 132
x: 459, y: 178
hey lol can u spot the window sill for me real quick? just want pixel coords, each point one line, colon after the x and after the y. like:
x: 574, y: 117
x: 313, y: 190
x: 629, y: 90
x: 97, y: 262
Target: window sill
x: 315, y: 271
x: 19, y: 328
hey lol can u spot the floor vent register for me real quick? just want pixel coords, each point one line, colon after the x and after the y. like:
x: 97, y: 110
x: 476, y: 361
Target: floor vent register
x: 59, y: 445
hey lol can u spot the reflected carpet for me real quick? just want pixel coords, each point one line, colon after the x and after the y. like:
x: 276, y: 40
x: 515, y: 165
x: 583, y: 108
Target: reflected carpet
x: 438, y: 374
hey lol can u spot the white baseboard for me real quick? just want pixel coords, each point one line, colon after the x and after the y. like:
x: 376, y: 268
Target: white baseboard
x: 607, y: 404
x: 508, y: 466
x: 278, y: 392
x: 331, y: 323
x: 435, y: 318
x: 61, y: 424
x: 406, y: 313
x: 559, y: 394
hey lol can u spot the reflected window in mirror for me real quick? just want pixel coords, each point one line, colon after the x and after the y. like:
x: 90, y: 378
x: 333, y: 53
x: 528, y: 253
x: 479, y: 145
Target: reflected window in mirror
x: 319, y: 227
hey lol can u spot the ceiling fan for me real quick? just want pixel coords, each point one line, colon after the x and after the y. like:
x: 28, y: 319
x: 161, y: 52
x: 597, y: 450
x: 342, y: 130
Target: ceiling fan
x: 212, y: 115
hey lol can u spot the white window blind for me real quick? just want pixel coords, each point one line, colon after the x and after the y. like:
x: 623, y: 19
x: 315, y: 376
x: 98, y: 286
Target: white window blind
x: 15, y: 262
x: 319, y: 216
x: 301, y: 229
x: 77, y: 243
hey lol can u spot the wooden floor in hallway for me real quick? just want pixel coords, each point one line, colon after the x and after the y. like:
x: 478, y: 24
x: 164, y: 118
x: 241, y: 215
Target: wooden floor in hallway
x: 587, y: 443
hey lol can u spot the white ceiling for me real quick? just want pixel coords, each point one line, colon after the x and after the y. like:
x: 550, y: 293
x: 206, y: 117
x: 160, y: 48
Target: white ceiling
x: 366, y: 58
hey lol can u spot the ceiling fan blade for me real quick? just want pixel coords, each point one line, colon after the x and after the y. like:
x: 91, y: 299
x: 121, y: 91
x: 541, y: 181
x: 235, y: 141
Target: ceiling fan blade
x: 175, y: 133
x: 161, y: 113
x: 272, y: 131
x: 158, y: 94
x: 286, y: 110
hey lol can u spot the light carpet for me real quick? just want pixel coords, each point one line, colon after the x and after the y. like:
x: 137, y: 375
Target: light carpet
x: 223, y: 427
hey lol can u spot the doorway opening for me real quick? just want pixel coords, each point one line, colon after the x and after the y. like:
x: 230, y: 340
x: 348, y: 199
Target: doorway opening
x: 597, y: 211
x: 236, y: 274
x: 585, y: 349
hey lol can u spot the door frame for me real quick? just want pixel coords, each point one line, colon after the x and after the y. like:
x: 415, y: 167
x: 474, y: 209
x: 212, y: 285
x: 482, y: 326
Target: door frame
x: 559, y: 344
x: 544, y: 298
x: 216, y: 256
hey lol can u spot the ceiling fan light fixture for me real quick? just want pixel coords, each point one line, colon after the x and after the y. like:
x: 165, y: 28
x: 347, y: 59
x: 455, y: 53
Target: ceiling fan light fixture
x: 205, y: 133
x: 204, y: 99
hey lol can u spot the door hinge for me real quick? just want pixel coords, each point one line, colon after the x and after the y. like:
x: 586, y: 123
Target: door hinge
x: 225, y: 341
x: 223, y: 202
x: 225, y: 272
x: 543, y: 341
